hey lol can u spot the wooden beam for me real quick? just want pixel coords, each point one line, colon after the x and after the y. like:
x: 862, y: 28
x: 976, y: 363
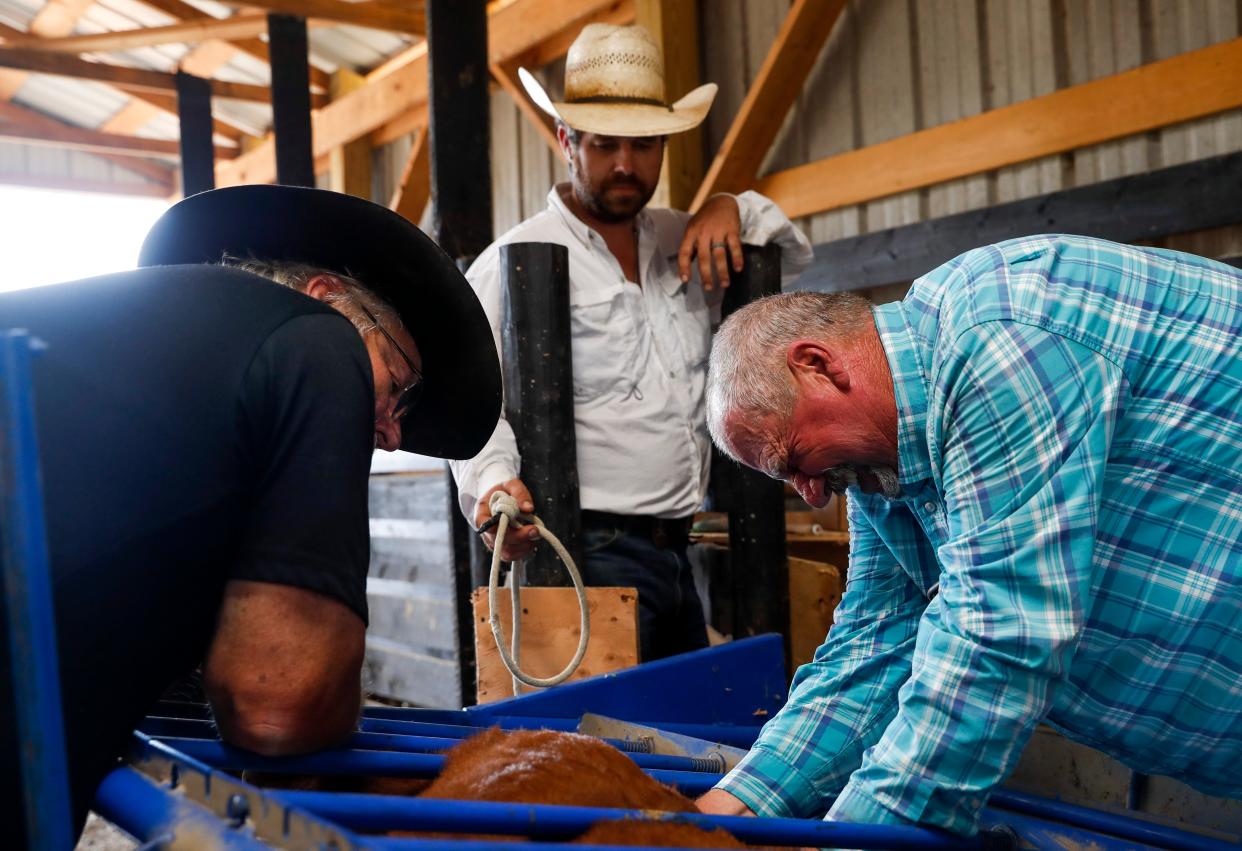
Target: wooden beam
x: 410, y: 197
x: 350, y: 168
x: 1179, y: 199
x: 1191, y: 85
x: 179, y: 10
x: 395, y: 17
x: 618, y: 13
x: 506, y: 77
x: 76, y: 184
x: 130, y: 79
x: 242, y: 26
x: 675, y: 26
x: 780, y: 79
x: 390, y: 97
x: 79, y: 138
x: 59, y: 17
x: 161, y: 175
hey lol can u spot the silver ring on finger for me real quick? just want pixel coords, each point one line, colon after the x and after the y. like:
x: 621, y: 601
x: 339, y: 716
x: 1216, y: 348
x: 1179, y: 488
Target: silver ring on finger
x: 716, y: 245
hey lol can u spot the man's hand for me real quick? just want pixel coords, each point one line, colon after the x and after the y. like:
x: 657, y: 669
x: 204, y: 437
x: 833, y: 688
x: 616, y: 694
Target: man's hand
x: 519, y: 543
x: 714, y: 235
x: 718, y: 802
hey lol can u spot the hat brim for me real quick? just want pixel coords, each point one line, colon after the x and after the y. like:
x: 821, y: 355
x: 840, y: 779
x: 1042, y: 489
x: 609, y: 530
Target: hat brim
x: 625, y: 119
x: 461, y: 397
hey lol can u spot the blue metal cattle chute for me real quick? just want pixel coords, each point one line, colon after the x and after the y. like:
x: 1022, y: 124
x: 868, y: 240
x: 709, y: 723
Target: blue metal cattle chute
x: 181, y: 787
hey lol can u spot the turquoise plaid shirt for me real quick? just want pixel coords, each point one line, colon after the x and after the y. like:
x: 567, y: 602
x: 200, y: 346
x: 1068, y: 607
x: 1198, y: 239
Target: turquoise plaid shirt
x: 1070, y: 456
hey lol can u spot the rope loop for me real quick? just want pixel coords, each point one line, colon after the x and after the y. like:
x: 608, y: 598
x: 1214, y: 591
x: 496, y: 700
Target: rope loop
x: 505, y: 507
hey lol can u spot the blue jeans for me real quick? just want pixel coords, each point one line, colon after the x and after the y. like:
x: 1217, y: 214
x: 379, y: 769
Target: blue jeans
x: 670, y: 614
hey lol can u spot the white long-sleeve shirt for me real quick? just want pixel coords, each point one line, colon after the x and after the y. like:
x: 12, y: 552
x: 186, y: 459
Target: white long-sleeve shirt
x: 639, y: 358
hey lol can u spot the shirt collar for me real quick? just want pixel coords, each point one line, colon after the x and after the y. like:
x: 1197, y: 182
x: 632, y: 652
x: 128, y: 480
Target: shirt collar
x: 910, y: 389
x: 646, y: 231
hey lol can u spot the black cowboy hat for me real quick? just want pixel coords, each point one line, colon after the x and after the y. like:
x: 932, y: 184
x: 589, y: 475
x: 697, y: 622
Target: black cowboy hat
x: 460, y: 401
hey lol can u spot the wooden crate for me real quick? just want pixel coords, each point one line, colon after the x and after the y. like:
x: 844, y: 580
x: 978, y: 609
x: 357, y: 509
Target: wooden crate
x: 814, y: 592
x: 550, y: 635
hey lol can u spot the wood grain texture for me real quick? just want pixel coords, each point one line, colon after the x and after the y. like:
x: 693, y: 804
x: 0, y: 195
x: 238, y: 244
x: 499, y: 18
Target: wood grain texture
x: 550, y: 635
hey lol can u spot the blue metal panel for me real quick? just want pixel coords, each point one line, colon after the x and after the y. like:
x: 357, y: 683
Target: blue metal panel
x: 739, y: 683
x: 28, y: 600
x: 377, y: 812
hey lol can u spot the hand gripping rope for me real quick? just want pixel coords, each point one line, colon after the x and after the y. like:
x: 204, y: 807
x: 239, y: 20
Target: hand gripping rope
x: 505, y: 509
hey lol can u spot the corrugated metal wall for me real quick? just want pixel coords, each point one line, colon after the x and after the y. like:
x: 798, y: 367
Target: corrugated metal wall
x: 893, y: 67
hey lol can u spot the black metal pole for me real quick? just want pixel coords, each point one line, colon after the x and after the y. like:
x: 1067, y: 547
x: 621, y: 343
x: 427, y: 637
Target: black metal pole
x: 198, y: 153
x: 458, y: 132
x: 291, y: 105
x: 458, y: 127
x: 538, y: 366
x: 756, y: 503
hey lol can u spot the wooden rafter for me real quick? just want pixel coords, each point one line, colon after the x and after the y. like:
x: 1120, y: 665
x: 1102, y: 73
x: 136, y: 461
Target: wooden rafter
x: 59, y: 17
x: 130, y: 79
x: 179, y: 10
x: 780, y: 79
x: 396, y: 17
x: 184, y: 32
x: 61, y: 135
x: 410, y: 197
x: 506, y: 77
x: 618, y: 13
x: 1191, y: 85
x: 14, y: 115
x: 389, y: 99
x: 350, y: 165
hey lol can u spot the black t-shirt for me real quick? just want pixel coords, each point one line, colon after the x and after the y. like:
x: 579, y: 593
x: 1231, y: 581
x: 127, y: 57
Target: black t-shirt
x: 196, y: 424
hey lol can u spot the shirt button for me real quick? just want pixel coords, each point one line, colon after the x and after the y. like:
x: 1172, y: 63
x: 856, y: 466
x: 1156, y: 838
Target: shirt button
x: 931, y: 507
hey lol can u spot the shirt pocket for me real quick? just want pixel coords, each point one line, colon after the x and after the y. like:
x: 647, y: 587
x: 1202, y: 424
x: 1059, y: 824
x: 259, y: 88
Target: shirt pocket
x: 696, y: 328
x: 603, y: 347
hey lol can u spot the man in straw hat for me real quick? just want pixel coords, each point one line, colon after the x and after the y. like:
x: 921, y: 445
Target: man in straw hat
x: 643, y: 295
x: 206, y: 438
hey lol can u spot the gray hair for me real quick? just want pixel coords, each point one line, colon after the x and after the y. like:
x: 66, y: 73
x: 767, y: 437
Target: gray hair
x: 346, y: 301
x: 747, y: 374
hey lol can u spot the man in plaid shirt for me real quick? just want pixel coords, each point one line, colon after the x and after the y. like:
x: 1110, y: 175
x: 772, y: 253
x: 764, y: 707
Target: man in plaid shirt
x: 1040, y: 447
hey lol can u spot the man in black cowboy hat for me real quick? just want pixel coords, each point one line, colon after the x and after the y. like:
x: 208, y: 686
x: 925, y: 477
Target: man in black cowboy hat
x: 206, y: 437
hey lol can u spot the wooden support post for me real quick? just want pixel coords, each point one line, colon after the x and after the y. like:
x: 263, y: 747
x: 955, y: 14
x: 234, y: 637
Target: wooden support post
x: 350, y: 164
x: 414, y: 186
x: 755, y: 502
x: 538, y: 367
x: 198, y: 159
x: 291, y: 119
x: 675, y: 26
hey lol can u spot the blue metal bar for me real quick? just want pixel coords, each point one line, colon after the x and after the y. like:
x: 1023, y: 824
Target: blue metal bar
x: 378, y: 812
x: 429, y: 744
x: 147, y: 811
x: 28, y: 599
x: 378, y: 763
x: 1109, y: 823
x: 726, y: 734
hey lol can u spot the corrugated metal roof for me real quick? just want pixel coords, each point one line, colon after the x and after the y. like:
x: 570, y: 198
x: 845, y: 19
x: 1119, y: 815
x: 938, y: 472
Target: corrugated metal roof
x: 90, y: 105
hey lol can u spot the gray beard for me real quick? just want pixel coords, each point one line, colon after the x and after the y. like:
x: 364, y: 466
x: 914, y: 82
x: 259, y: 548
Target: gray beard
x: 839, y: 478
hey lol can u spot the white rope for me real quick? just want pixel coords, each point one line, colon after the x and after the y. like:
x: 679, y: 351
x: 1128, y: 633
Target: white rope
x: 505, y: 507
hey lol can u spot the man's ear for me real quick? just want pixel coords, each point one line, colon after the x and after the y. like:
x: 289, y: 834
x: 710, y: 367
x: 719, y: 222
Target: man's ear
x: 320, y: 286
x: 562, y: 136
x: 810, y: 360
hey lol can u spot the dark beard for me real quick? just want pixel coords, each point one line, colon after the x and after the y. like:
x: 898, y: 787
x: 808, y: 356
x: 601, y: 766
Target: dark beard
x: 610, y: 212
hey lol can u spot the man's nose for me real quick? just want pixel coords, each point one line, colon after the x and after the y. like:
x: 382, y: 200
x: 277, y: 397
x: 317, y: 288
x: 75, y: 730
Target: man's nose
x: 387, y: 433
x: 623, y: 162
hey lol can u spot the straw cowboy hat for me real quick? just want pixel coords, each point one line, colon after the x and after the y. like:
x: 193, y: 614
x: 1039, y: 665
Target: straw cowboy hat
x: 614, y: 86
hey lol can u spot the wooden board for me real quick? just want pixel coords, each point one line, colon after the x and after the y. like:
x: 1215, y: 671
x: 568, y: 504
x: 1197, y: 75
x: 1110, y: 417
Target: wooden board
x: 550, y: 635
x: 814, y: 591
x: 1188, y: 197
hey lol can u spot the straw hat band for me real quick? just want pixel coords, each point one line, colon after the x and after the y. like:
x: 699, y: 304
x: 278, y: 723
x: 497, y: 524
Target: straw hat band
x: 621, y: 99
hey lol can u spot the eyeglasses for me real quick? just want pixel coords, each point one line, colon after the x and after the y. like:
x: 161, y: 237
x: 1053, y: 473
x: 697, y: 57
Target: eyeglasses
x: 408, y: 397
